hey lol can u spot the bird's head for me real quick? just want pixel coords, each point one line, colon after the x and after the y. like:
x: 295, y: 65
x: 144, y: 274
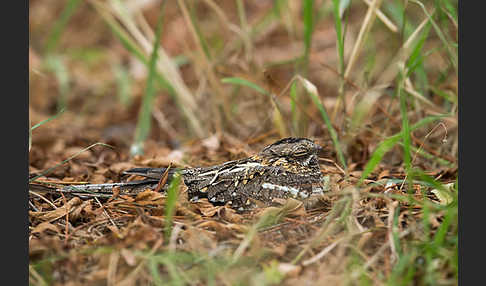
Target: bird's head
x: 296, y: 151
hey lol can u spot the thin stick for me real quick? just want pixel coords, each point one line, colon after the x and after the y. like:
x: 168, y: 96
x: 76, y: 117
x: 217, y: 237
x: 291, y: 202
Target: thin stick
x: 383, y: 18
x: 173, y: 237
x: 46, y: 200
x: 365, y: 28
x: 106, y: 213
x: 347, y: 80
x: 391, y: 241
x: 163, y: 179
x: 67, y: 219
x: 323, y: 253
x: 335, y: 164
x: 33, y: 206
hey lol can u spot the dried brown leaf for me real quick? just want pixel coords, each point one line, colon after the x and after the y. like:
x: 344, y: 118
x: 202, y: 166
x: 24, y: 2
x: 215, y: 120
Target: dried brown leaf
x: 289, y: 270
x: 201, y: 240
x: 149, y: 197
x: 119, y: 167
x: 57, y: 213
x: 128, y: 256
x: 45, y: 226
x: 230, y: 215
x: 206, y: 208
x: 82, y: 210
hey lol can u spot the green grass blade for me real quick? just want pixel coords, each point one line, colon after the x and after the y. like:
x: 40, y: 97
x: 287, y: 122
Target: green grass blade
x: 331, y: 129
x: 122, y: 36
x: 172, y: 193
x: 153, y: 266
x: 446, y: 95
x: 442, y: 191
x: 378, y: 154
x: 123, y: 84
x: 451, y: 9
x: 270, y: 217
x: 451, y: 51
x: 312, y: 91
x: 396, y: 11
x: 47, y: 120
x: 450, y: 218
x: 403, y: 270
x: 308, y: 16
x: 130, y: 45
x: 429, y: 156
x: 60, y: 25
x: 415, y: 63
x: 339, y: 33
x: 30, y: 137
x: 56, y: 64
x: 388, y: 143
x: 278, y: 118
x: 407, y: 159
x: 244, y: 82
x: 199, y: 34
x: 415, y: 55
x: 143, y: 124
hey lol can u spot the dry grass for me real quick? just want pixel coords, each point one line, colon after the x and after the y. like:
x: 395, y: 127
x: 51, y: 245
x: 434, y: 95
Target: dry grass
x: 228, y: 78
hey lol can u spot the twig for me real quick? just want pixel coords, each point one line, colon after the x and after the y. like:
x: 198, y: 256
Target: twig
x: 346, y: 79
x: 383, y: 18
x: 46, y: 200
x: 335, y: 164
x: 173, y: 237
x: 106, y: 213
x: 33, y: 206
x: 321, y: 254
x: 67, y: 219
x: 391, y: 241
x: 163, y: 179
x: 62, y: 182
x: 206, y: 66
x: 365, y: 28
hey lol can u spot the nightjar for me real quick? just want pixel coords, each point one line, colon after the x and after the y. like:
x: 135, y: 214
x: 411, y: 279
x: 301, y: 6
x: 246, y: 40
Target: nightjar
x: 288, y: 168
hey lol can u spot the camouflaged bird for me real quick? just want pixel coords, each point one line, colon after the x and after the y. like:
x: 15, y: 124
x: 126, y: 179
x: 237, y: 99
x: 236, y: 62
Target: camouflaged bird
x: 288, y: 168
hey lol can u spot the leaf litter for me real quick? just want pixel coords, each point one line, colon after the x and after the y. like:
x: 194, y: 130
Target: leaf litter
x: 121, y: 239
x: 76, y: 230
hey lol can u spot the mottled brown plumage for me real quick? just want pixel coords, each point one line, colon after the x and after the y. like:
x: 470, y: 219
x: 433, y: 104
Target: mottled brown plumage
x: 288, y: 168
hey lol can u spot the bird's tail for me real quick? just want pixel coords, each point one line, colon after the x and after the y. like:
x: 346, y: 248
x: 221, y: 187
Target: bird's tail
x: 96, y: 190
x: 151, y: 173
x: 152, y: 177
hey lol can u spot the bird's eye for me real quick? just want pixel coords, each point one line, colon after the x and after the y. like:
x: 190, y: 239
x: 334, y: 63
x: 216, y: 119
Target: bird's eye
x: 300, y: 152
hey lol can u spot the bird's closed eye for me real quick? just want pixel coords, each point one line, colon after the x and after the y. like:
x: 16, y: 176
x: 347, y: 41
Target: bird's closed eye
x: 300, y: 152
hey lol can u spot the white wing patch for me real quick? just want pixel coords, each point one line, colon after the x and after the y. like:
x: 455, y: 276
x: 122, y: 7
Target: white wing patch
x: 292, y: 190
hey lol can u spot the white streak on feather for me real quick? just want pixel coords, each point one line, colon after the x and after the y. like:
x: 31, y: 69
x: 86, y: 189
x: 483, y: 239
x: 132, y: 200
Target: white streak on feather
x: 292, y: 190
